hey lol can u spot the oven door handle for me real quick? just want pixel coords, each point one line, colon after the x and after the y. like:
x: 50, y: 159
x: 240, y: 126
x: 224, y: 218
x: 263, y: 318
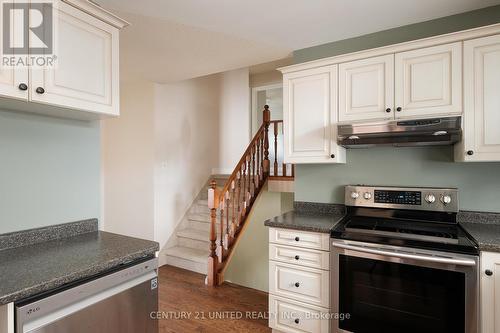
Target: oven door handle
x: 420, y: 257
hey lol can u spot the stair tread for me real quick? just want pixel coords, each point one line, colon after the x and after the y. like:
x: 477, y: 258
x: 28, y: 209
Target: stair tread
x: 188, y: 253
x: 202, y: 235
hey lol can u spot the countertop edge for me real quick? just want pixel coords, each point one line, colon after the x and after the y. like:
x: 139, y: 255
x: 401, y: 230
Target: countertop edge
x: 78, y: 275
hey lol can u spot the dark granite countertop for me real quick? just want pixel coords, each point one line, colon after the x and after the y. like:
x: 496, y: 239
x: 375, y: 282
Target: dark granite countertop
x: 483, y: 227
x: 31, y: 269
x: 309, y: 217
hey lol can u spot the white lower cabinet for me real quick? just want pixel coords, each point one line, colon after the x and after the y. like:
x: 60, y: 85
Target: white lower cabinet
x: 482, y: 101
x: 490, y: 292
x: 299, y: 281
x: 292, y: 316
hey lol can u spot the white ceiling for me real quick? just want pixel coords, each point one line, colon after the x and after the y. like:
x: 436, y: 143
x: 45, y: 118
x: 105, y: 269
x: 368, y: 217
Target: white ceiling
x: 188, y: 38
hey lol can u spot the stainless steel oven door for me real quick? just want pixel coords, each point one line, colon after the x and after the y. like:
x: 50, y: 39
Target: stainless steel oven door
x: 381, y: 288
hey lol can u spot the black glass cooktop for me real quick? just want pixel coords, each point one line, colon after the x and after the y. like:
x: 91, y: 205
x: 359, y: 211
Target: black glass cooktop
x: 406, y: 229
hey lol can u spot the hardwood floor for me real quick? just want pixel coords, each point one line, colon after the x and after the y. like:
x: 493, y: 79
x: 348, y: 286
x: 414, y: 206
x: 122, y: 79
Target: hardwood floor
x: 187, y: 305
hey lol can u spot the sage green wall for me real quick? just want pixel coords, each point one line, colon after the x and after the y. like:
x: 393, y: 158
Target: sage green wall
x: 468, y: 20
x: 250, y: 264
x: 479, y: 183
x: 49, y: 171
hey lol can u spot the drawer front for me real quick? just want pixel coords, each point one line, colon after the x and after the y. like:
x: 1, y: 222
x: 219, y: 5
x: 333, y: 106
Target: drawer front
x: 304, y: 284
x: 296, y: 317
x: 300, y: 256
x: 311, y: 240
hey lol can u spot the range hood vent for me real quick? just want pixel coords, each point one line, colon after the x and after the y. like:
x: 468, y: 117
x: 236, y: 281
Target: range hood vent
x: 421, y: 132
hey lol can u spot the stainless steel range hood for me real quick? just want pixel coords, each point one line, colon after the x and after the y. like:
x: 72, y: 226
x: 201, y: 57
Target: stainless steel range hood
x: 402, y: 133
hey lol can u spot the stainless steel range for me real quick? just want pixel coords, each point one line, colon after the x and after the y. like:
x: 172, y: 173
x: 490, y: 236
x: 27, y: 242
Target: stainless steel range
x: 402, y: 263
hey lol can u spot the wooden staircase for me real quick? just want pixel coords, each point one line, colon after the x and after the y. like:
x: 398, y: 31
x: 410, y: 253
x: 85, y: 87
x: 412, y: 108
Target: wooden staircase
x: 190, y: 250
x: 230, y: 206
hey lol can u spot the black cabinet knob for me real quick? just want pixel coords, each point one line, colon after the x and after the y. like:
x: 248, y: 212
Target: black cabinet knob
x: 297, y: 284
x: 399, y: 109
x: 388, y: 110
x: 297, y: 239
x: 332, y: 155
x: 297, y: 321
x: 40, y: 90
x: 488, y: 272
x: 297, y: 257
x: 470, y: 152
x: 23, y: 87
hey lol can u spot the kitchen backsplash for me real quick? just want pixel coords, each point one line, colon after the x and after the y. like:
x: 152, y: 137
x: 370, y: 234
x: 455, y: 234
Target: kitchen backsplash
x: 478, y: 183
x: 49, y: 171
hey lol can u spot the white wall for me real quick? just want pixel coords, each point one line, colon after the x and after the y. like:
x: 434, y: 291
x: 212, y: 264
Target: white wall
x: 234, y: 118
x: 186, y: 147
x: 161, y: 151
x: 128, y: 163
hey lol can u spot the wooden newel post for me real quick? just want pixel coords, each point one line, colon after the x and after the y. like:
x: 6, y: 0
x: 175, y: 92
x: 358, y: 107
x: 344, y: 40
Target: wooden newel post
x: 267, y: 121
x: 213, y: 260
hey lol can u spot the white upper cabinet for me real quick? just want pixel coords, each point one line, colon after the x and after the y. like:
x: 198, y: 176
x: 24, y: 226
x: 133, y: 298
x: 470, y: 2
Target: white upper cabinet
x: 482, y: 100
x: 86, y: 75
x: 83, y: 82
x: 428, y: 81
x: 366, y: 89
x: 310, y: 116
x: 13, y: 81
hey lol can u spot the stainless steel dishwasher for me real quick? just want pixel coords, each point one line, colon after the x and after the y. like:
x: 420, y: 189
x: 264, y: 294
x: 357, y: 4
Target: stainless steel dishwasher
x: 118, y: 302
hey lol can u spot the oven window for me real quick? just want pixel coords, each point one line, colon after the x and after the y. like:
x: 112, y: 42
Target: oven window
x: 394, y: 298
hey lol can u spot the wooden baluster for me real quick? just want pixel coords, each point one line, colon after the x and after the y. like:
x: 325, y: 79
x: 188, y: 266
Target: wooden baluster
x: 213, y: 260
x: 257, y: 173
x: 238, y: 179
x: 244, y: 192
x: 249, y: 173
x: 267, y: 120
x: 275, y: 149
x: 226, y: 236
x: 262, y: 156
x: 233, y: 218
x: 221, y: 240
x: 254, y: 174
x: 259, y: 163
x: 282, y: 138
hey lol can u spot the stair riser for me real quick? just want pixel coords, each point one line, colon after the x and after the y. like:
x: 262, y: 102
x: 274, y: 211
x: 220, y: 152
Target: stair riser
x: 193, y: 243
x: 187, y: 264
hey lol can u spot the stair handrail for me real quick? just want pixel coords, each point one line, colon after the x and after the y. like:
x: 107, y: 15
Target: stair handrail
x: 237, y: 195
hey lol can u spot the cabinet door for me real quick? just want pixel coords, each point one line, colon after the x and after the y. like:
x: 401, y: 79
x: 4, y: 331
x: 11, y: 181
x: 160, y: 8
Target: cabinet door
x: 310, y: 116
x: 482, y: 100
x: 12, y: 77
x: 428, y: 82
x: 490, y: 292
x: 86, y: 74
x: 366, y: 89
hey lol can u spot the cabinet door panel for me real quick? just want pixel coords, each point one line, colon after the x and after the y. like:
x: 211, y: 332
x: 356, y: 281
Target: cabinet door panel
x: 428, y: 82
x: 86, y: 75
x: 310, y: 115
x: 366, y: 89
x: 482, y: 100
x: 490, y: 293
x: 12, y: 77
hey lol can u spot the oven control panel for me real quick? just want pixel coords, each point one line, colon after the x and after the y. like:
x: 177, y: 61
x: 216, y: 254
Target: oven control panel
x: 398, y: 197
x: 430, y: 199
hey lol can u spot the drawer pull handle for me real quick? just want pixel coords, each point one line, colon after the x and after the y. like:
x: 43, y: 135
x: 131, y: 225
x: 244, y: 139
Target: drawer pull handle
x: 297, y: 320
x: 488, y: 272
x: 297, y: 257
x: 297, y: 239
x: 297, y: 284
